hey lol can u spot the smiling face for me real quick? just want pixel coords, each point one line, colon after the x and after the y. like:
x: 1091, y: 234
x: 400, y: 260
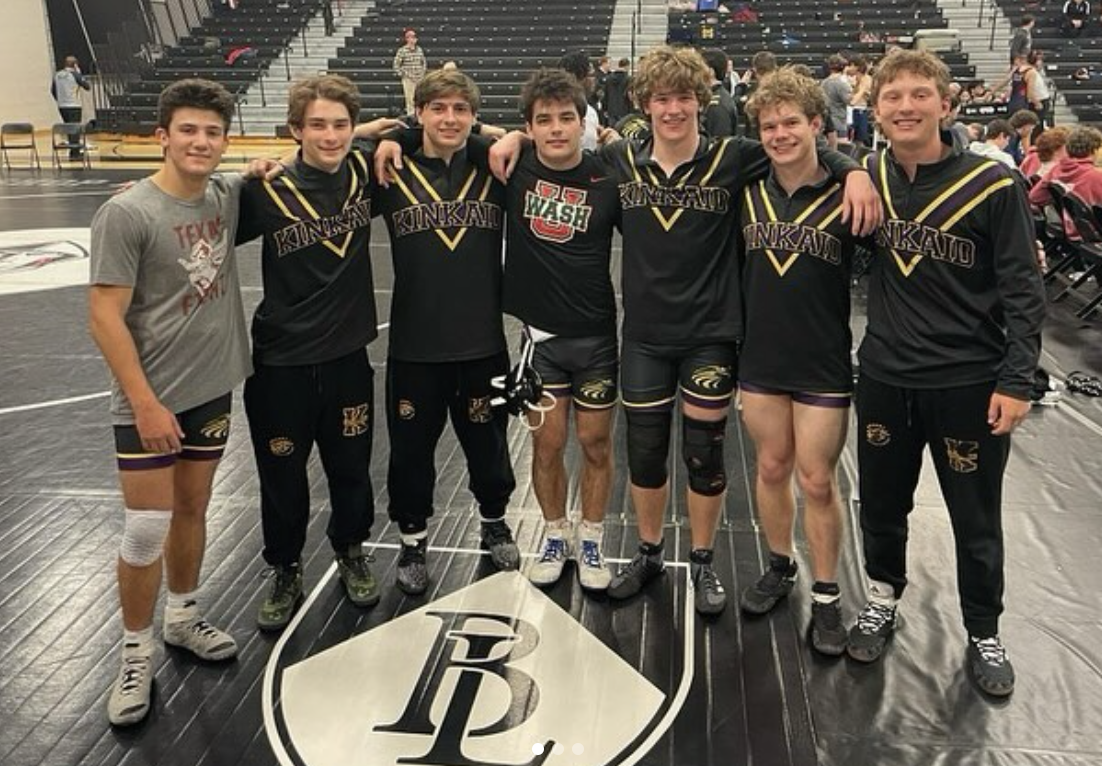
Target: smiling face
x: 556, y: 129
x: 447, y: 121
x: 673, y: 115
x: 194, y: 142
x: 910, y: 110
x: 325, y: 134
x: 788, y: 136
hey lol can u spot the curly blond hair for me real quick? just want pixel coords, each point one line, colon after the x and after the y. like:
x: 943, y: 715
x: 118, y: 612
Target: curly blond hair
x: 788, y: 86
x: 677, y: 70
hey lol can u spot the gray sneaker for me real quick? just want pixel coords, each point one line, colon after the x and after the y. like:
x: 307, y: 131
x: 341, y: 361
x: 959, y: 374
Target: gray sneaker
x: 284, y: 596
x: 413, y: 575
x: 201, y: 639
x: 709, y: 597
x: 635, y: 574
x: 593, y: 574
x: 497, y: 538
x: 828, y: 634
x: 548, y: 568
x: 869, y: 635
x: 990, y: 667
x: 129, y: 701
x: 770, y: 588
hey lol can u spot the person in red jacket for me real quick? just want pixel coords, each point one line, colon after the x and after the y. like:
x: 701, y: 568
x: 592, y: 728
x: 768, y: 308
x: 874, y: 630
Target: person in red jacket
x: 1077, y: 173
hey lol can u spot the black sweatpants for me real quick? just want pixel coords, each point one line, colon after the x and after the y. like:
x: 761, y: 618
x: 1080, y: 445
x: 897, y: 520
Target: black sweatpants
x: 420, y: 396
x: 292, y: 408
x: 894, y: 425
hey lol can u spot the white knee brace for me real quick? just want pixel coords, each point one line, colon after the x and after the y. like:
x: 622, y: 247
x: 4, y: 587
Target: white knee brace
x: 143, y: 536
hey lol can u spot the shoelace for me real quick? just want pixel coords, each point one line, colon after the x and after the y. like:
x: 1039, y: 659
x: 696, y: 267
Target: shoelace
x: 991, y: 650
x: 706, y: 579
x: 1081, y: 383
x: 359, y: 564
x: 591, y: 553
x: 874, y: 617
x: 203, y: 628
x: 284, y: 577
x: 133, y: 670
x: 554, y: 549
x: 411, y: 553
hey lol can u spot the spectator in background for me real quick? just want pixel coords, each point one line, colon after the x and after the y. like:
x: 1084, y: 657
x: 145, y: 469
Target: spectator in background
x: 1039, y: 91
x: 1076, y: 172
x: 1075, y: 13
x: 762, y: 65
x: 66, y: 87
x: 1022, y: 41
x: 600, y: 78
x: 1049, y: 148
x: 959, y: 131
x: 838, y: 92
x: 578, y: 64
x: 617, y: 102
x: 1024, y: 123
x: 996, y: 137
x: 327, y: 17
x: 720, y: 116
x: 410, y: 65
x: 857, y: 69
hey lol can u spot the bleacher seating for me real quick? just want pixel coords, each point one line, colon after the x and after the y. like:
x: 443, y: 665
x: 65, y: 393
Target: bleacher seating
x: 1063, y: 57
x: 497, y: 44
x: 265, y: 25
x: 808, y: 34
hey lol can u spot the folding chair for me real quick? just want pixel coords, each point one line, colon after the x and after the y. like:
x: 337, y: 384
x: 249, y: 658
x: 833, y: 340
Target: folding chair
x: 1089, y: 227
x: 69, y: 137
x: 18, y: 136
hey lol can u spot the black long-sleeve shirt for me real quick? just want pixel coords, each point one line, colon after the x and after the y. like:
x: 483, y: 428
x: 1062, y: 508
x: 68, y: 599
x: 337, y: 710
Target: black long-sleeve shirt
x: 319, y: 291
x: 955, y: 296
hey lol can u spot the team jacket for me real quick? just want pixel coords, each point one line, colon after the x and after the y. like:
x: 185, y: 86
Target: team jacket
x: 680, y: 235
x: 319, y: 293
x: 796, y: 288
x: 955, y: 296
x: 445, y: 223
x: 559, y: 241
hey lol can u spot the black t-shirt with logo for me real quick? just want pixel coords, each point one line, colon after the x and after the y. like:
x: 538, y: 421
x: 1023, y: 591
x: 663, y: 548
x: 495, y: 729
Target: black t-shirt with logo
x: 445, y: 223
x: 796, y: 288
x: 319, y: 293
x: 559, y: 240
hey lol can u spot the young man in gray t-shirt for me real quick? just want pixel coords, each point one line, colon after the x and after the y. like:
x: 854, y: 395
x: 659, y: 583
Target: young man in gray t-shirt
x: 165, y: 309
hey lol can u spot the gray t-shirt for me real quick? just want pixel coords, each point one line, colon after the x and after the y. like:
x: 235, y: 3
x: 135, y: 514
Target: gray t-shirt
x: 837, y: 91
x: 186, y: 315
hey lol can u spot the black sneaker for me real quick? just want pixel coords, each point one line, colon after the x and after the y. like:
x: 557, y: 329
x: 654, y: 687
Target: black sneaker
x: 497, y: 538
x: 990, y: 667
x: 828, y: 634
x: 635, y: 574
x: 283, y: 598
x: 413, y: 575
x: 870, y: 633
x: 709, y: 597
x: 770, y: 588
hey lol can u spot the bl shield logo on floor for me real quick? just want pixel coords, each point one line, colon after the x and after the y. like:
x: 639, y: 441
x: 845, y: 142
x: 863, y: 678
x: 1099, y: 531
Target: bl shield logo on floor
x: 494, y: 674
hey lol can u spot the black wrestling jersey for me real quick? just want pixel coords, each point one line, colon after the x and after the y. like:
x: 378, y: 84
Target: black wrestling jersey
x: 796, y: 288
x: 955, y: 296
x: 559, y: 240
x: 319, y: 294
x: 445, y: 222
x: 680, y: 264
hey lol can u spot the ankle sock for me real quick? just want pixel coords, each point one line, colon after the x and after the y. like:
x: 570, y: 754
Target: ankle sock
x: 781, y: 563
x: 137, y: 643
x: 652, y: 550
x: 825, y: 592
x: 701, y: 556
x: 181, y: 607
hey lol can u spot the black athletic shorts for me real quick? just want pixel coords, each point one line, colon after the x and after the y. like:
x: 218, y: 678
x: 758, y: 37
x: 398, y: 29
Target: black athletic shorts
x: 206, y: 429
x: 650, y: 375
x: 584, y: 368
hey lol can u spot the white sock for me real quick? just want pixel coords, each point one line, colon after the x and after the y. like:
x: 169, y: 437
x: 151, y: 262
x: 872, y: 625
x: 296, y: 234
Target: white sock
x: 137, y: 643
x: 181, y: 607
x: 557, y: 528
x: 882, y: 593
x: 414, y: 537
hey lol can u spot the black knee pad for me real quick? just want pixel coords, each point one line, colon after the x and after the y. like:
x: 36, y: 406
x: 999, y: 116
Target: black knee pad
x: 648, y: 448
x: 702, y: 450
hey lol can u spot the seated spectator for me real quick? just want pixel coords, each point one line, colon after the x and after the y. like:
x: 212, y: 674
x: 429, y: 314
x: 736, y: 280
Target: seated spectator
x: 1024, y: 123
x: 979, y: 93
x: 1076, y: 172
x: 959, y: 131
x: 996, y: 137
x: 1075, y: 15
x: 1046, y: 152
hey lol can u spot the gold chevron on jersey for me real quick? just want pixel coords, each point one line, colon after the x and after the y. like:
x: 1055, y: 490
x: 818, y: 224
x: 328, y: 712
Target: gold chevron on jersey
x: 295, y: 207
x: 667, y: 222
x: 819, y: 214
x: 959, y: 198
x: 429, y: 194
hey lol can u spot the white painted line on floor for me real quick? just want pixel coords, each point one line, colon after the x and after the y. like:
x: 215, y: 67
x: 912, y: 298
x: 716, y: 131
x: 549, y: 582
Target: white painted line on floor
x: 54, y: 195
x: 53, y: 403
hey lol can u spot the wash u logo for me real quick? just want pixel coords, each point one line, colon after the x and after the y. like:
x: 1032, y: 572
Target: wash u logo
x: 479, y: 646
